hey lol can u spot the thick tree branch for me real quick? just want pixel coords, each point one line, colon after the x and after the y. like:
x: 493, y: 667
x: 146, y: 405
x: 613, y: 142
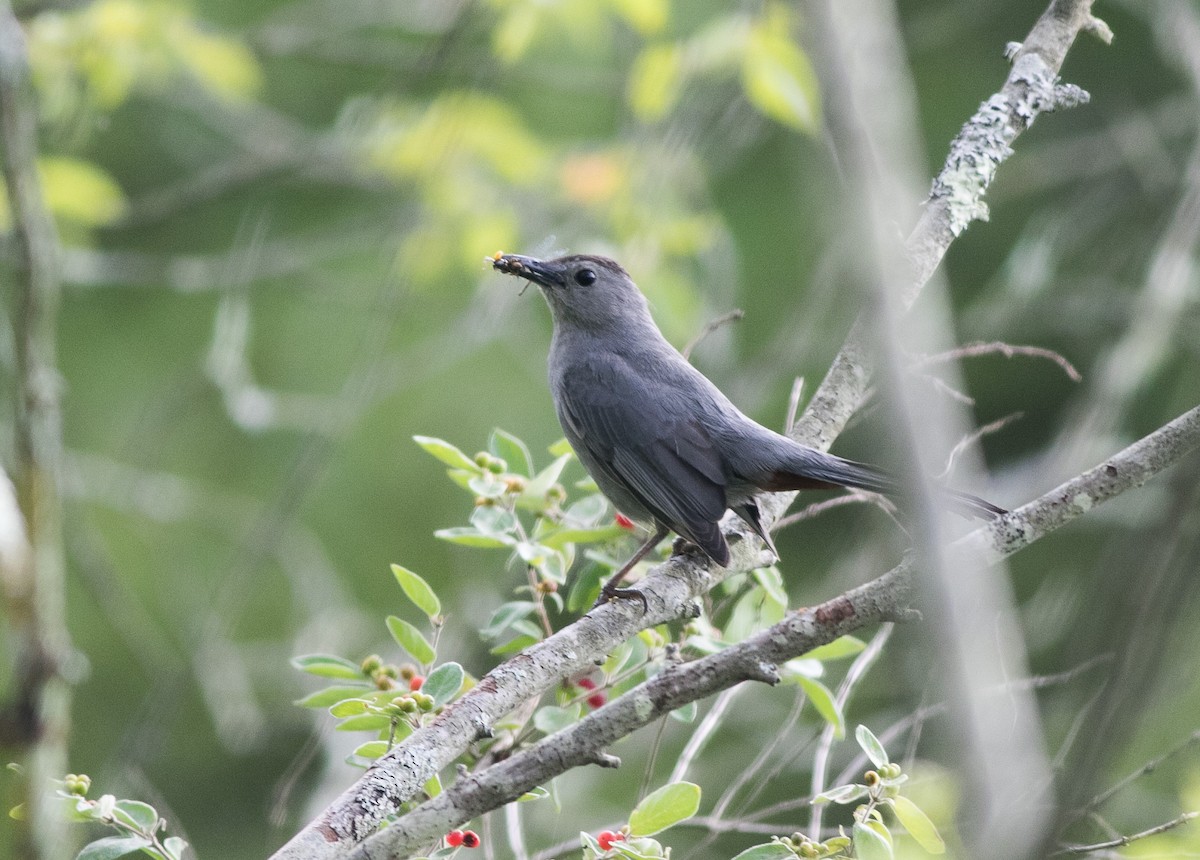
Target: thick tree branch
x: 673, y: 587
x: 756, y: 658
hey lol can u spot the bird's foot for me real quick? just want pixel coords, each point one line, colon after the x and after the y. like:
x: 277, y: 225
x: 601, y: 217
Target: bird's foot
x: 612, y: 592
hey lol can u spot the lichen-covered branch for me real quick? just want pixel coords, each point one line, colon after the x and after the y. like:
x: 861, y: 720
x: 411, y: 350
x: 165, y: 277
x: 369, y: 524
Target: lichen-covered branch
x: 956, y: 198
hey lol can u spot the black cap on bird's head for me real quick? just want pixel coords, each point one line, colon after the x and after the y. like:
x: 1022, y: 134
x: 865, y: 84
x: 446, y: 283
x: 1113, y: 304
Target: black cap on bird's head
x: 581, y: 289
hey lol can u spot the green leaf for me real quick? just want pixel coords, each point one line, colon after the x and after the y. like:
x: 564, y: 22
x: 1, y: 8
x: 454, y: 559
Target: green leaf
x: 655, y: 81
x: 411, y: 640
x: 551, y: 718
x: 767, y: 851
x: 559, y: 539
x: 433, y: 786
x: 328, y: 666
x: 869, y: 844
x: 918, y: 825
x: 661, y: 809
x: 465, y: 536
x: 80, y: 191
x: 447, y: 453
x: 533, y: 794
x: 371, y: 749
x: 418, y: 591
x: 349, y: 708
x: 825, y: 703
x: 505, y: 615
x: 772, y: 582
x: 778, y: 78
x: 561, y: 448
x: 366, y: 723
x: 112, y: 847
x: 142, y: 816
x: 841, y: 794
x: 512, y: 450
x: 330, y: 696
x: 842, y: 647
x: 871, y: 746
x: 175, y: 847
x: 444, y: 682
x: 545, y: 479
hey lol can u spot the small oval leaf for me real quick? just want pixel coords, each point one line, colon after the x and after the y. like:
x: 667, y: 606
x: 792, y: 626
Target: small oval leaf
x: 661, y: 809
x: 447, y: 453
x: 418, y: 591
x: 871, y: 746
x: 825, y: 703
x: 918, y: 825
x: 328, y: 666
x: 869, y: 845
x: 443, y: 683
x: 411, y: 640
x: 112, y: 847
x: 330, y: 696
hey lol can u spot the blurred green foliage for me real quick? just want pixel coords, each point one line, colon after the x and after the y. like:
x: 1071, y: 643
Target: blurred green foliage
x: 274, y: 217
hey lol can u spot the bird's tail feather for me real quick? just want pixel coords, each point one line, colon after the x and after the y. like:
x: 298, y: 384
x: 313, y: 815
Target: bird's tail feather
x: 815, y: 470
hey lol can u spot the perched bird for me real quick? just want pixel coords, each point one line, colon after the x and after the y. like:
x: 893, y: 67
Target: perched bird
x: 666, y: 447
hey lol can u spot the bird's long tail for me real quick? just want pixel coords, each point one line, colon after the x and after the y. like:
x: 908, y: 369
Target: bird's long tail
x: 811, y: 469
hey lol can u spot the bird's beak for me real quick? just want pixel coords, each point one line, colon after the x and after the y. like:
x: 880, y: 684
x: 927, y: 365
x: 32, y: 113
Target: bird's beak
x: 529, y: 268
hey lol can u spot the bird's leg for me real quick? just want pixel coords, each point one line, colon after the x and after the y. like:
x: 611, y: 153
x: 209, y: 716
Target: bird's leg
x: 610, y: 589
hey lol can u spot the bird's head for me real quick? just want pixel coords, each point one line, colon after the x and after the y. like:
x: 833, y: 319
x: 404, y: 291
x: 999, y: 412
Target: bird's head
x: 582, y: 290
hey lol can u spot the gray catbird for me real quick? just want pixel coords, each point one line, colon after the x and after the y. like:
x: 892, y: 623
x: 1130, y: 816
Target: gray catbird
x: 664, y: 445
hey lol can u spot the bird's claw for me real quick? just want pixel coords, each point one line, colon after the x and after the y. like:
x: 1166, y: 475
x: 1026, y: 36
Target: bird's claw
x: 608, y: 593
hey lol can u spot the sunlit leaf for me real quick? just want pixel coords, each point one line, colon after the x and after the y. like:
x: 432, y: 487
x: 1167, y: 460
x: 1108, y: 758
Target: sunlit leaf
x: 447, y: 453
x: 655, y: 81
x: 509, y: 448
x: 418, y: 591
x: 869, y: 844
x: 665, y: 807
x: 142, y: 816
x: 371, y: 749
x: 779, y: 79
x: 844, y: 646
x: 328, y: 666
x: 465, y: 536
x: 871, y: 746
x: 825, y: 703
x: 330, y: 696
x: 918, y: 825
x: 645, y: 16
x: 223, y: 64
x: 79, y: 191
x: 411, y: 640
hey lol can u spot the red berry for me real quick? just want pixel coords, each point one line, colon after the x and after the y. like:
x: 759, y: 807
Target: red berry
x: 596, y: 700
x: 415, y: 682
x: 470, y: 839
x: 607, y: 838
x: 585, y: 684
x: 624, y: 522
x: 454, y: 838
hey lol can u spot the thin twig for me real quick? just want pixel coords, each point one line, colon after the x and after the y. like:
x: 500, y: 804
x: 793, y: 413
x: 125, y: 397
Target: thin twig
x: 973, y: 437
x: 711, y: 326
x: 1008, y: 350
x: 1122, y: 841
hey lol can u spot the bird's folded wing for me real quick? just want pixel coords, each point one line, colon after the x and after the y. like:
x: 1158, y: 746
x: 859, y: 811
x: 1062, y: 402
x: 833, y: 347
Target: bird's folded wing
x: 667, y: 461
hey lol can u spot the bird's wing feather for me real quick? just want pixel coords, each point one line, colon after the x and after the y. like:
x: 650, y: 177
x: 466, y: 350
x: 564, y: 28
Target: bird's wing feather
x: 654, y: 451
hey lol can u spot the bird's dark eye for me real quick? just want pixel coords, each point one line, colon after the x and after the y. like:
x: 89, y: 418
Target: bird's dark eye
x: 585, y: 277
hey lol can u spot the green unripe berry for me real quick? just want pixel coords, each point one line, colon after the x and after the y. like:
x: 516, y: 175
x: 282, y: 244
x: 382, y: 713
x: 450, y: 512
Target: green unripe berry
x: 370, y: 665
